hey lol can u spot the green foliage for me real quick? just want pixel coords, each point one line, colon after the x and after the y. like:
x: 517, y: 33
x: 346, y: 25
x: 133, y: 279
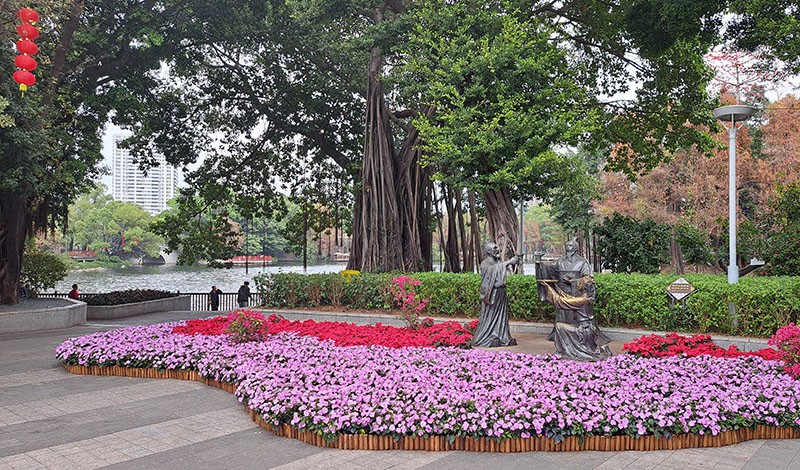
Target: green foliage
x: 293, y: 290
x: 5, y: 119
x: 448, y: 294
x: 99, y: 223
x: 639, y: 301
x: 41, y: 270
x: 694, y: 244
x: 768, y: 25
x: 628, y: 245
x: 129, y: 296
x: 571, y: 205
x: 783, y: 245
x: 623, y: 300
x: 198, y: 232
x: 504, y: 96
x: 540, y: 216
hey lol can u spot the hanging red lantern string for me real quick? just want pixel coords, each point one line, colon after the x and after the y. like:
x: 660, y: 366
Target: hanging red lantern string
x: 27, y: 48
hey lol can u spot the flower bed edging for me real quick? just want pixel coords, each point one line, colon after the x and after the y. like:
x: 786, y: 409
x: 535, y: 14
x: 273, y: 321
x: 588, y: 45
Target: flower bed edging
x: 481, y: 444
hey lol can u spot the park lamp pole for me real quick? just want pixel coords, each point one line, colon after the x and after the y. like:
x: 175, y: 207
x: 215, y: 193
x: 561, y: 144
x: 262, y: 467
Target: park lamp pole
x: 730, y: 116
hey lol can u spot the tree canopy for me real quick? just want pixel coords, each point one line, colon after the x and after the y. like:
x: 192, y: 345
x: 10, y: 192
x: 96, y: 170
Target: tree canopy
x: 251, y: 88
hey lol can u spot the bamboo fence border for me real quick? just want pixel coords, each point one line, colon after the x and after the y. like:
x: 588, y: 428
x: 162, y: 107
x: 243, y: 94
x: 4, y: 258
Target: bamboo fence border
x: 480, y: 444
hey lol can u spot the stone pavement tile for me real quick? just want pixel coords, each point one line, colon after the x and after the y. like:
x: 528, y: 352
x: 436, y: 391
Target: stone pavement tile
x: 88, y: 401
x: 325, y: 458
x: 381, y: 459
x: 61, y: 384
x: 249, y: 449
x: 420, y: 460
x: 458, y: 460
x: 777, y: 454
x: 651, y: 459
x: 88, y: 453
x: 618, y: 460
x: 372, y: 460
x: 22, y: 461
x: 23, y: 437
x: 26, y: 379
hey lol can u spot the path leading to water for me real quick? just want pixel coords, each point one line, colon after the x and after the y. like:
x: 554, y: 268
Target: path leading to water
x: 52, y: 419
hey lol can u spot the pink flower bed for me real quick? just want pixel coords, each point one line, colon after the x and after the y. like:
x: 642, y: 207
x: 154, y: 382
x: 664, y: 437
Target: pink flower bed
x: 317, y: 385
x: 429, y: 334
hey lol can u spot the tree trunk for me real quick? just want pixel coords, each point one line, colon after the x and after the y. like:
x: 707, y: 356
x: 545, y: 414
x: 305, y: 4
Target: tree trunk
x: 15, y: 220
x: 676, y: 255
x: 474, y: 229
x: 466, y: 253
x: 503, y: 222
x: 376, y: 227
x: 392, y: 212
x: 451, y: 262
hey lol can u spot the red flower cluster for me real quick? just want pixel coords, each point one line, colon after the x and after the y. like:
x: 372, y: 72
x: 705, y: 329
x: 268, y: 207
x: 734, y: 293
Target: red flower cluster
x: 344, y: 334
x: 787, y: 340
x: 673, y: 344
x: 207, y: 327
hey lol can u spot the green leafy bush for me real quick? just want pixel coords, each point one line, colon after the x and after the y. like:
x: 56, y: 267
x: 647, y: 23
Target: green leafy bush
x: 41, y: 270
x: 128, y: 297
x: 695, y: 244
x: 640, y: 301
x: 763, y: 304
x: 783, y: 244
x: 632, y: 246
x: 292, y: 290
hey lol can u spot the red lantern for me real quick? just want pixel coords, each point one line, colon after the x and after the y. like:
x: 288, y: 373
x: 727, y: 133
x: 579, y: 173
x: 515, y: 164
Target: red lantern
x: 26, y: 31
x: 28, y: 16
x: 25, y: 79
x: 25, y: 62
x: 25, y: 46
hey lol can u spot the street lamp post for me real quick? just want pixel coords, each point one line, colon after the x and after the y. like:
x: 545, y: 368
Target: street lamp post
x: 730, y: 116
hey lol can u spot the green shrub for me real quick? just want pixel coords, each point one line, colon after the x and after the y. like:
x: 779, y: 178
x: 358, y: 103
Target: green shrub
x: 292, y: 290
x: 41, y: 270
x: 763, y: 304
x: 628, y: 245
x: 128, y: 297
x: 640, y: 301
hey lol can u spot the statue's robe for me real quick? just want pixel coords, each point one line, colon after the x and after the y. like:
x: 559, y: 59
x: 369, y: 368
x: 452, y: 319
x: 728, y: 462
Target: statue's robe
x: 493, y: 329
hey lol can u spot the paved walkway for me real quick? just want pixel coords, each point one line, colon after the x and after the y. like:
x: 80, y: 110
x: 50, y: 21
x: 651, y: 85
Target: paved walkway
x: 52, y: 419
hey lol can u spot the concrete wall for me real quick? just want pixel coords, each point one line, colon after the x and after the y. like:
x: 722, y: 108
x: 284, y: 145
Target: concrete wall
x: 183, y: 302
x: 54, y: 314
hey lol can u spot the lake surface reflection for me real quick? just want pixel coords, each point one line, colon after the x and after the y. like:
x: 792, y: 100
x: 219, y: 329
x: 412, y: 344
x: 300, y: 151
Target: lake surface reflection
x: 177, y: 278
x: 184, y: 278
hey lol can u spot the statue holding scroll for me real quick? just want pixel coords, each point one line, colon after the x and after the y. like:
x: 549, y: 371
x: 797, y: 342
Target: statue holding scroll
x: 569, y: 286
x: 493, y: 329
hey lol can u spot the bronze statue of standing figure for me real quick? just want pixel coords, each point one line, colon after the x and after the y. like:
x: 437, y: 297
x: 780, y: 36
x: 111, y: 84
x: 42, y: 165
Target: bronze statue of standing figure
x: 493, y: 329
x: 569, y: 286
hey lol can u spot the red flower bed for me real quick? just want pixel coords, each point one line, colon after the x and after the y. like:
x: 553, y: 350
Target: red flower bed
x: 673, y: 344
x: 344, y: 334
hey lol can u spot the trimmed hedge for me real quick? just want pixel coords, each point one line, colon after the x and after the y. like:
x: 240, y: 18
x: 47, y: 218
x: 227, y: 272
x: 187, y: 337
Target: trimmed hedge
x: 121, y: 297
x: 763, y: 304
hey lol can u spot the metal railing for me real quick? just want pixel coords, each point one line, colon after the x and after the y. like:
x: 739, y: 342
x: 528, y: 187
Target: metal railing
x: 200, y: 300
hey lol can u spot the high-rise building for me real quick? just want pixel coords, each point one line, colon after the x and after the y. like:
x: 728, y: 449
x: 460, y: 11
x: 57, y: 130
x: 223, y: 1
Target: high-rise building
x: 129, y: 184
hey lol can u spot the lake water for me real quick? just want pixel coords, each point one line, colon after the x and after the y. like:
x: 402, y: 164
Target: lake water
x: 183, y: 278
x: 176, y: 278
